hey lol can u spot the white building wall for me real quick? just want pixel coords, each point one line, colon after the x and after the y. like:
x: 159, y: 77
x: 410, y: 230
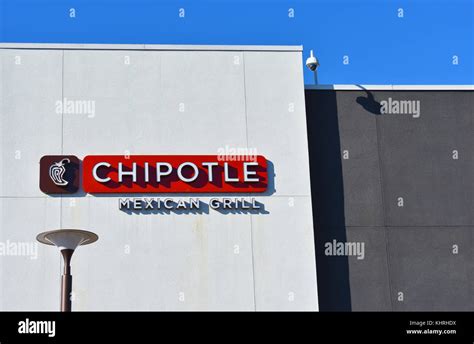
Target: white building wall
x: 232, y: 96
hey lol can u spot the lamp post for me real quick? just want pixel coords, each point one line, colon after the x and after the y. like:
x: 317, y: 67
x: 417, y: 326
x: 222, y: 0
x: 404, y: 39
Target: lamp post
x: 67, y: 240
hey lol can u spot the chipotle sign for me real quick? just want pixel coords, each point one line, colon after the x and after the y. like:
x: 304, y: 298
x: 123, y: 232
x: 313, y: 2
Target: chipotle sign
x: 167, y: 173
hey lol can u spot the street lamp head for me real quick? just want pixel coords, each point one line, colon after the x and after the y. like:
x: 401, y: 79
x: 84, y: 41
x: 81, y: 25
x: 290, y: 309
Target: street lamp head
x: 67, y: 238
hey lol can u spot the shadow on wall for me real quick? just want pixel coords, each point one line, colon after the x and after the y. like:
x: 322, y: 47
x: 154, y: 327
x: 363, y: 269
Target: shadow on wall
x: 327, y: 191
x: 369, y: 103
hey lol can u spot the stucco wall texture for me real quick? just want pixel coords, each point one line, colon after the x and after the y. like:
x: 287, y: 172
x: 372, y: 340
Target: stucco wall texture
x: 402, y: 183
x: 157, y: 100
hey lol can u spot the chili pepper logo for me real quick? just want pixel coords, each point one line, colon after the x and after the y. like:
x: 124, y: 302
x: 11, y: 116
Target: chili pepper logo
x: 57, y: 170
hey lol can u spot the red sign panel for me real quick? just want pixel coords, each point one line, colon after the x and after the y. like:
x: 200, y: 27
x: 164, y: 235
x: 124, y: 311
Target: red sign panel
x: 174, y: 174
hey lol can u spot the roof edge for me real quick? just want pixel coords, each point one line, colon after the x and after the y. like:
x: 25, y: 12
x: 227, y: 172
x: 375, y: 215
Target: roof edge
x: 161, y: 47
x: 354, y: 87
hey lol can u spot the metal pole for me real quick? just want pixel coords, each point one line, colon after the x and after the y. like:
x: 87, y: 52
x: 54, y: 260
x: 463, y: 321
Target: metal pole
x: 66, y: 281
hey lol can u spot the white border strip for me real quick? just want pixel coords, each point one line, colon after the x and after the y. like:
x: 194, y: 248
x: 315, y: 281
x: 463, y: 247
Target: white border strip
x: 391, y: 87
x: 165, y: 47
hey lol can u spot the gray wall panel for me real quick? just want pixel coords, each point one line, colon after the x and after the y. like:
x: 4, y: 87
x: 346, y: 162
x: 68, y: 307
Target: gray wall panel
x: 210, y: 87
x: 403, y: 155
x: 28, y: 270
x: 360, y: 161
x: 285, y: 269
x: 369, y: 277
x: 274, y: 85
x: 169, y: 261
x: 125, y: 96
x: 334, y: 289
x: 417, y: 160
x: 30, y: 125
x: 427, y: 272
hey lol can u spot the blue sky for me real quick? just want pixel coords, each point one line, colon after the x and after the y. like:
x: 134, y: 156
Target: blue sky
x: 381, y: 45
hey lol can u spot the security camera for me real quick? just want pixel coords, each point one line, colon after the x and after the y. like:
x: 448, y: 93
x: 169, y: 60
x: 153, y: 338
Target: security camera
x: 312, y: 62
